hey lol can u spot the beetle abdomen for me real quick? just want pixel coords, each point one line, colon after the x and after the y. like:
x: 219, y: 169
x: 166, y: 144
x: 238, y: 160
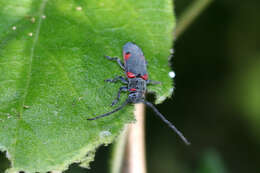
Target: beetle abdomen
x: 135, y: 64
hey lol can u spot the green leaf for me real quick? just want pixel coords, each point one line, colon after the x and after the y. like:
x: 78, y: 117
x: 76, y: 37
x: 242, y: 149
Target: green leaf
x: 53, y: 69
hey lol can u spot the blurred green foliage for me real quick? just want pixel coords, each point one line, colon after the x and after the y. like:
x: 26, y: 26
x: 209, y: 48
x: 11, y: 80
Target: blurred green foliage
x: 248, y: 81
x: 211, y: 162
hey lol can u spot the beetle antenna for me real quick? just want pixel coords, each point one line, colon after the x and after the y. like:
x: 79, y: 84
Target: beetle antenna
x: 167, y: 122
x: 115, y: 110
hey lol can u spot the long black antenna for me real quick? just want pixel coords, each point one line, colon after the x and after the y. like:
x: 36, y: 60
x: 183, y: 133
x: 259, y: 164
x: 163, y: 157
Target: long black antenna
x: 167, y: 122
x: 115, y: 110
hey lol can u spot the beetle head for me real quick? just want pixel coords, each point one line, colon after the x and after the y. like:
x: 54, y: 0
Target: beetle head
x: 136, y: 97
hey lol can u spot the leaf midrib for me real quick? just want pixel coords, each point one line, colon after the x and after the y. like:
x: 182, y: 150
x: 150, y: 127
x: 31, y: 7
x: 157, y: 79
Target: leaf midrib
x: 37, y: 32
x: 42, y: 6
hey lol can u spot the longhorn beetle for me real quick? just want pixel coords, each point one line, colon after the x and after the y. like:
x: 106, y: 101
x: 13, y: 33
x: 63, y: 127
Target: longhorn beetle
x: 136, y: 81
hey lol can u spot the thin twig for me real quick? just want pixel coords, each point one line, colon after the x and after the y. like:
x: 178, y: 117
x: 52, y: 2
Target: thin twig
x: 189, y: 15
x: 136, y: 162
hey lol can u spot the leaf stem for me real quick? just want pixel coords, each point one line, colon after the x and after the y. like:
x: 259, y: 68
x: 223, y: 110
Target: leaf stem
x: 189, y: 15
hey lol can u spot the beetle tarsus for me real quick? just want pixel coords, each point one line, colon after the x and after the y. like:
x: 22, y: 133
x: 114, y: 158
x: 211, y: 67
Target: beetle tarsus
x: 114, y: 102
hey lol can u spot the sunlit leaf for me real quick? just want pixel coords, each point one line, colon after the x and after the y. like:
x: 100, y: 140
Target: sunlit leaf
x: 52, y: 72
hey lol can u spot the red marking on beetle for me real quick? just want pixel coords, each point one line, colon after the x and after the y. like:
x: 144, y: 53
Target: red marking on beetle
x: 127, y: 55
x: 145, y: 77
x: 130, y: 75
x: 132, y: 89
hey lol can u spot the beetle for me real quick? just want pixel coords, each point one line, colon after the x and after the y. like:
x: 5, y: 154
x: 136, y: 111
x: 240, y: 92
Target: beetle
x: 135, y: 67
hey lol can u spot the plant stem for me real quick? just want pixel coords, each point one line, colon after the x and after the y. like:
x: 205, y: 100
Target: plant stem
x: 129, y: 151
x: 189, y: 15
x: 118, y: 152
x: 136, y: 161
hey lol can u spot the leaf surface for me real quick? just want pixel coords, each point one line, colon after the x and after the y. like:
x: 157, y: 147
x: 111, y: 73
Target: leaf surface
x: 52, y: 72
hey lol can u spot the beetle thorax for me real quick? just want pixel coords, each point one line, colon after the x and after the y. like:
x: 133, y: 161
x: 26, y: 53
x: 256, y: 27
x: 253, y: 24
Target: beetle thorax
x: 137, y: 88
x: 137, y: 84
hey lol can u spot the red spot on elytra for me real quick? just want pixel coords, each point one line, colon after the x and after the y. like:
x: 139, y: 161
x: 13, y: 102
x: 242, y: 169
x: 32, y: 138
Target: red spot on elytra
x: 145, y: 77
x: 127, y: 55
x: 132, y: 89
x: 130, y: 75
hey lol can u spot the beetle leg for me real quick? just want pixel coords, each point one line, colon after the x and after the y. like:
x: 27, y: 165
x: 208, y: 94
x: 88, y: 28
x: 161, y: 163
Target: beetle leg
x: 152, y: 82
x: 124, y: 88
x: 117, y: 60
x: 118, y: 78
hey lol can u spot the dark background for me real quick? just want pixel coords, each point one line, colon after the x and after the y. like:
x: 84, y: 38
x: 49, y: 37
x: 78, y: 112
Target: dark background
x: 216, y: 103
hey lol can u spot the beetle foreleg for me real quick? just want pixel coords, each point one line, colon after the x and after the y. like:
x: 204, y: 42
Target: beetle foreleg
x: 118, y: 78
x: 117, y: 60
x: 124, y: 88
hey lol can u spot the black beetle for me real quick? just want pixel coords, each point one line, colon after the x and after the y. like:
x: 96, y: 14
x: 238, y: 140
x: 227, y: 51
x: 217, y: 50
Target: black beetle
x: 137, y: 78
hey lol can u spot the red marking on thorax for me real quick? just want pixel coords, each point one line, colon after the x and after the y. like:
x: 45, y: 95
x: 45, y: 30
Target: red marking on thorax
x: 145, y: 77
x: 127, y: 55
x: 130, y: 75
x: 132, y: 89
